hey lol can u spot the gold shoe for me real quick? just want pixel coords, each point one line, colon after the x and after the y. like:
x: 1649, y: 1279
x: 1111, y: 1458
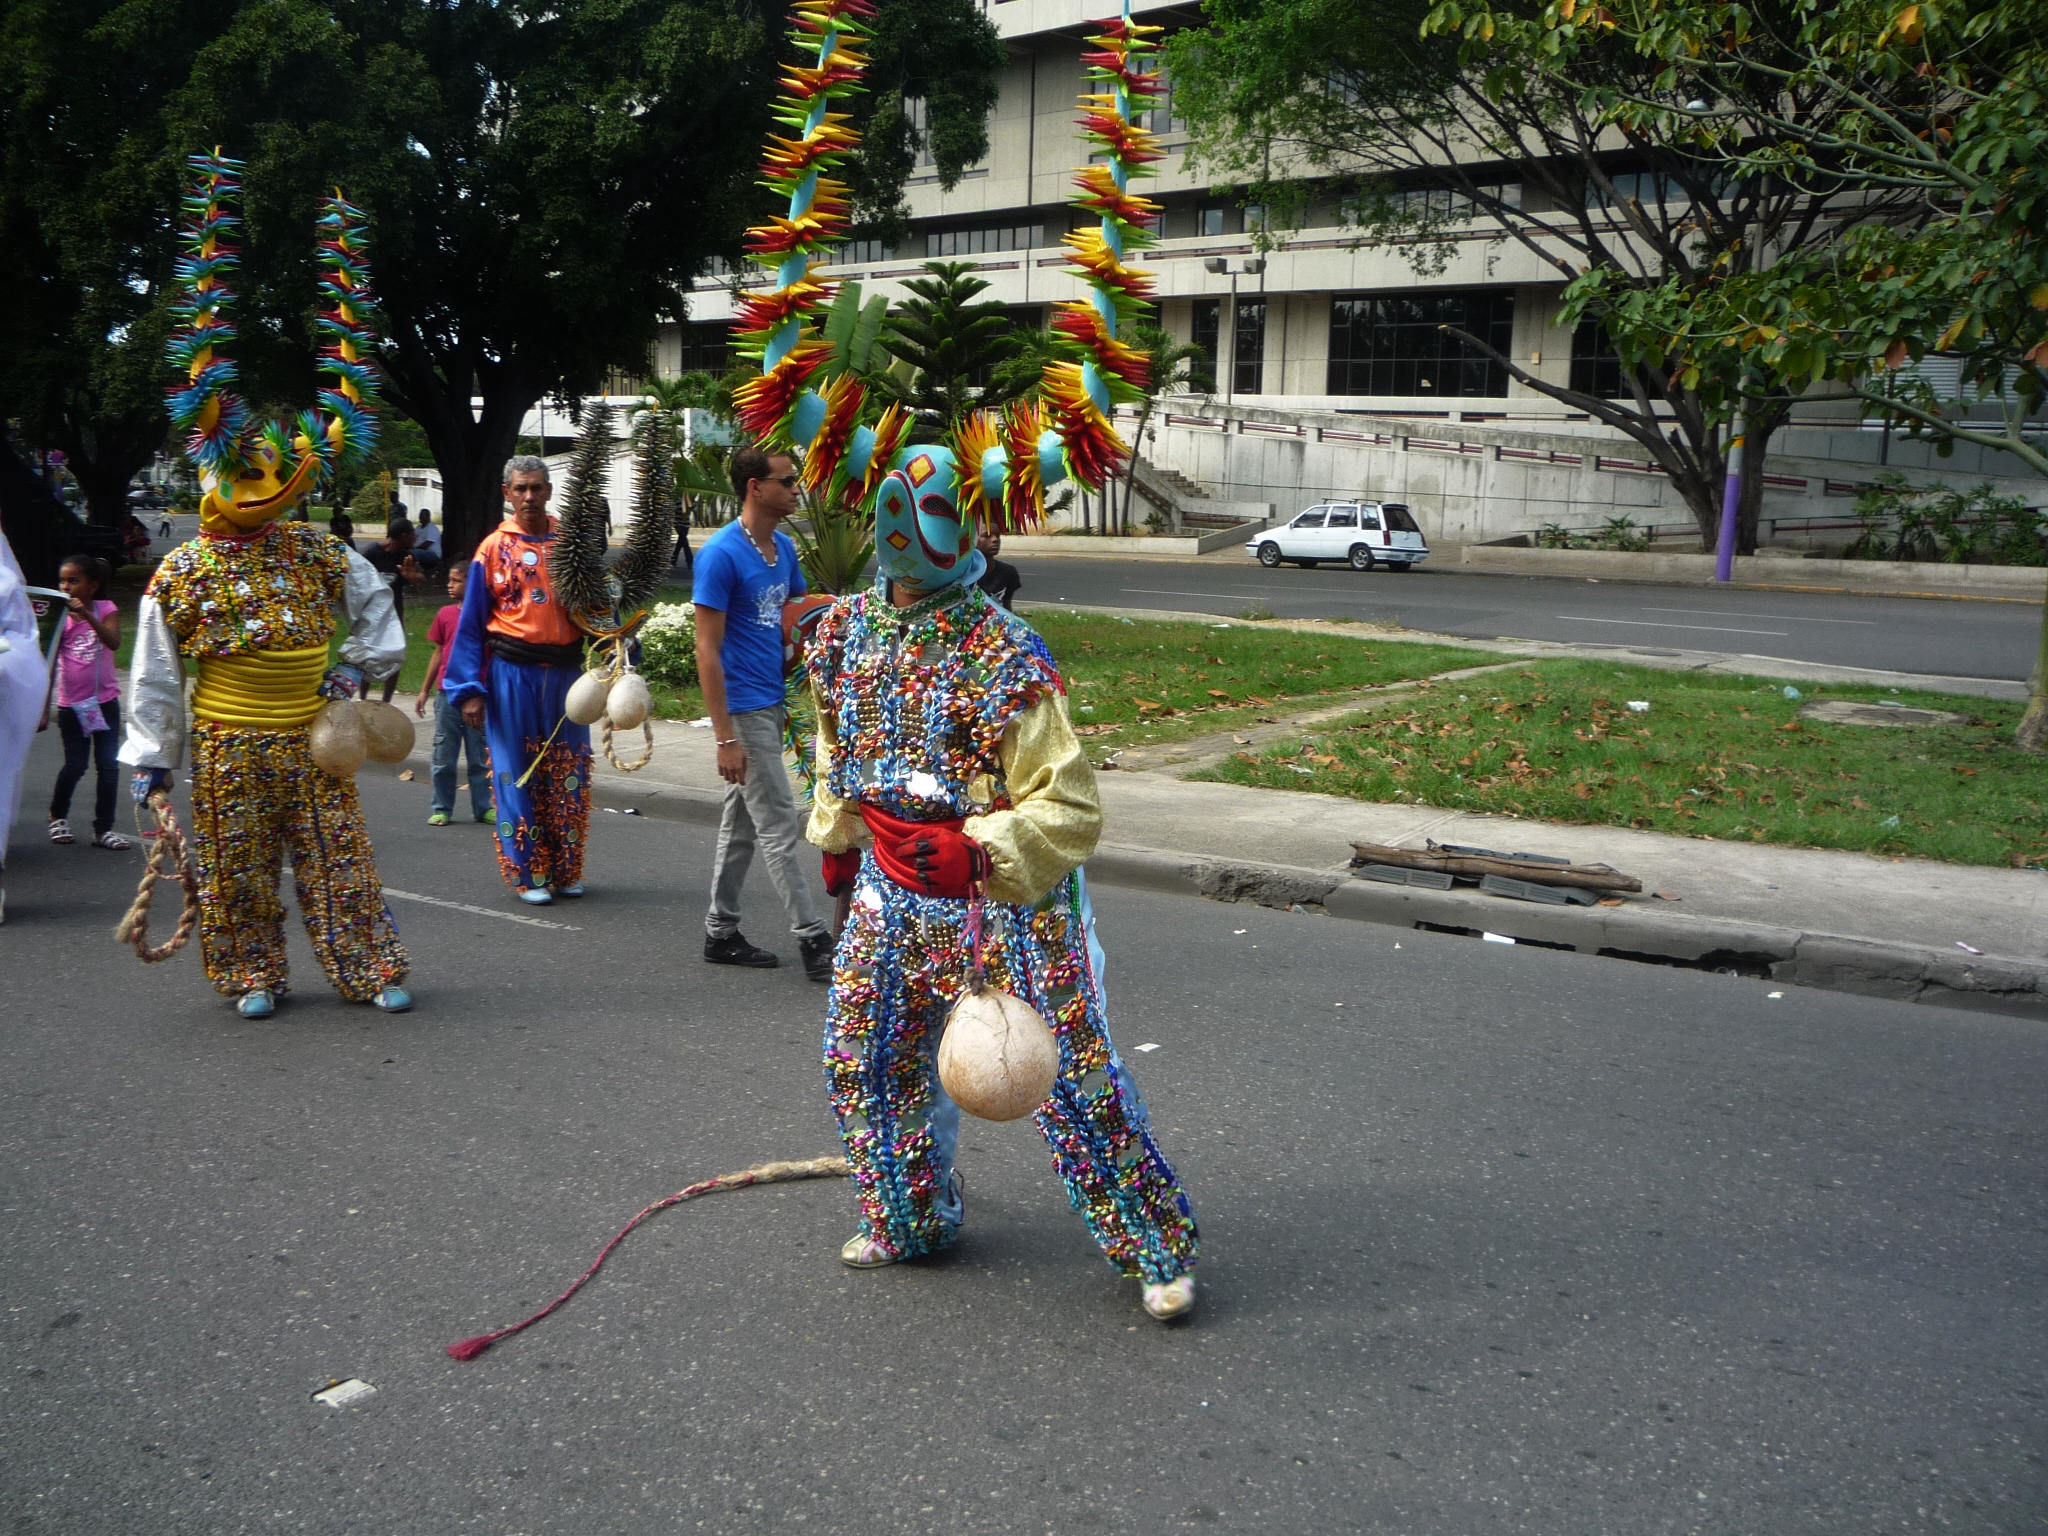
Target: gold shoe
x: 1169, y: 1299
x: 864, y: 1252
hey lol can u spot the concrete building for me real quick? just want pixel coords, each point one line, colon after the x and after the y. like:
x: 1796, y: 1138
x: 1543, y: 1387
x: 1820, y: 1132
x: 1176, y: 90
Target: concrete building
x: 1322, y: 325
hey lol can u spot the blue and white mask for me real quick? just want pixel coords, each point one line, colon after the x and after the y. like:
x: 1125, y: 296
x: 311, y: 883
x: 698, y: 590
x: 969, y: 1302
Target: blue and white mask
x: 922, y: 540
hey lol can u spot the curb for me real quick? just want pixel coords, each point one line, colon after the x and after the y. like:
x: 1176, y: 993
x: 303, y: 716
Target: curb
x: 1827, y: 961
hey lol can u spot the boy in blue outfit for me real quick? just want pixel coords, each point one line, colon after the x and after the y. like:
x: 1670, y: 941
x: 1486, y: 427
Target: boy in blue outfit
x: 744, y: 574
x: 452, y: 735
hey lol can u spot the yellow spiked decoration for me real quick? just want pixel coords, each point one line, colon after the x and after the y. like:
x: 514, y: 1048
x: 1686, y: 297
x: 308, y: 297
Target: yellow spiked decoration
x: 254, y: 473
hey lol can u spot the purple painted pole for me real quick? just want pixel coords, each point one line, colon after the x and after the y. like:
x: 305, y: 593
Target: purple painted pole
x: 1731, y: 505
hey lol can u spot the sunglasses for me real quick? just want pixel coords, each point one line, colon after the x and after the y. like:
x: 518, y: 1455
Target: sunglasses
x: 787, y: 482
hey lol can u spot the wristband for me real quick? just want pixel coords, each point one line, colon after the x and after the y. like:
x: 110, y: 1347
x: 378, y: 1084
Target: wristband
x: 727, y: 741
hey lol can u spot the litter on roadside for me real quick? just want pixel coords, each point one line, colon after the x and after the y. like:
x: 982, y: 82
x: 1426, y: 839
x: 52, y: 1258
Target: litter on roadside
x: 1968, y: 949
x: 1496, y: 938
x: 1639, y: 706
x: 405, y: 777
x: 339, y: 1394
x: 1538, y: 877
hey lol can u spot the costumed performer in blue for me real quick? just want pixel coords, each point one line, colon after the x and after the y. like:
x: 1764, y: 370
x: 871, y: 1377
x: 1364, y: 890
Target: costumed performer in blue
x: 517, y: 650
x: 953, y: 802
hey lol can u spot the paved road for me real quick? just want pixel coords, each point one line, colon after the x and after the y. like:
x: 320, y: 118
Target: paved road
x: 1498, y: 1240
x: 1956, y: 639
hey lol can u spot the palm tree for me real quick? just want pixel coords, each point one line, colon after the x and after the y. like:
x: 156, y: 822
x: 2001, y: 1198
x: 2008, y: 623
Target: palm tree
x: 1175, y: 367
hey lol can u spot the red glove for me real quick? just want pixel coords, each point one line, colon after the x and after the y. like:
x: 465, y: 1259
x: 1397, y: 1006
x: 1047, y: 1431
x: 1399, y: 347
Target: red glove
x: 841, y: 870
x: 929, y: 857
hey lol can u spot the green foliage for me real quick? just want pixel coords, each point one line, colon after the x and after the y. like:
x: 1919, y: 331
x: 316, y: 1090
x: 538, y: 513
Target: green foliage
x: 948, y: 348
x: 835, y: 546
x: 544, y: 182
x: 1718, y: 756
x: 1977, y: 526
x: 1617, y: 533
x: 668, y: 645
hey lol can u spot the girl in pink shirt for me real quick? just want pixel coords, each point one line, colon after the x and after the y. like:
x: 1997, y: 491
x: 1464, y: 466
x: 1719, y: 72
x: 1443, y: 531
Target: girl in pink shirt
x: 87, y: 699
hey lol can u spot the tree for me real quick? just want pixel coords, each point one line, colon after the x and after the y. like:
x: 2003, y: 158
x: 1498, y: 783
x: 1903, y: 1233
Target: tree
x: 949, y: 350
x: 545, y: 179
x: 1407, y: 131
x: 1939, y: 104
x: 1176, y: 366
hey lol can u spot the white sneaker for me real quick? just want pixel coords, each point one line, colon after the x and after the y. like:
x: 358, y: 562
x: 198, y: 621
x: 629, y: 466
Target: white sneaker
x: 1169, y: 1299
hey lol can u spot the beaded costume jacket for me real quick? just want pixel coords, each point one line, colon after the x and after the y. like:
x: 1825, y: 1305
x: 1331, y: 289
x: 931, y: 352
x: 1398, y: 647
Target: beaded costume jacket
x: 288, y: 589
x: 947, y: 710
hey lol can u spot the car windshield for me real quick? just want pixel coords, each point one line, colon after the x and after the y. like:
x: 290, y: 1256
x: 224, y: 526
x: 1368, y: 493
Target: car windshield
x: 1343, y: 517
x: 1313, y: 518
x: 1399, y: 519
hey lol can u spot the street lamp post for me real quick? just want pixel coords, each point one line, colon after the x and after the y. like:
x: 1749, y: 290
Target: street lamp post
x: 1221, y: 266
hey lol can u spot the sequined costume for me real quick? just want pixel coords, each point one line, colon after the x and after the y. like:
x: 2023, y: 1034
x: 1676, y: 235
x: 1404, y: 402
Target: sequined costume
x: 258, y: 615
x: 518, y: 650
x: 254, y: 601
x: 954, y: 708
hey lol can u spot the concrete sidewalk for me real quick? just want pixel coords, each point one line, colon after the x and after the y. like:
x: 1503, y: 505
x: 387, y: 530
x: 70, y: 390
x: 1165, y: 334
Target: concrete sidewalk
x: 1845, y: 921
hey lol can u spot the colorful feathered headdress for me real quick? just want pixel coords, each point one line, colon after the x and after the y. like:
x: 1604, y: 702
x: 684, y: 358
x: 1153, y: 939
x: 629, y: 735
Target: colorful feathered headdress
x: 996, y: 468
x: 254, y: 472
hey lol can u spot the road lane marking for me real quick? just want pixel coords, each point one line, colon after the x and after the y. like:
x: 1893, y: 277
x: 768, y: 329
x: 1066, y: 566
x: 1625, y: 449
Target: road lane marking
x: 1719, y: 629
x: 1172, y: 592
x: 463, y: 906
x: 1782, y: 618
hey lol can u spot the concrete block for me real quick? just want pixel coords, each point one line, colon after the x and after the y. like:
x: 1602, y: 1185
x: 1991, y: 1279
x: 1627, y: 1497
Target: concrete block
x: 1855, y: 965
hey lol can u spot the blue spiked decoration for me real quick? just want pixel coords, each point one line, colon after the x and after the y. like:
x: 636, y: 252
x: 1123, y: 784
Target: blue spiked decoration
x: 253, y: 473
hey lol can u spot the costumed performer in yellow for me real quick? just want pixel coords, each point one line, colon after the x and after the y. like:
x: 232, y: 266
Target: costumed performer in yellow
x: 256, y: 600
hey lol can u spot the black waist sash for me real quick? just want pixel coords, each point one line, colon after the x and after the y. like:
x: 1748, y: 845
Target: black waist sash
x: 527, y: 654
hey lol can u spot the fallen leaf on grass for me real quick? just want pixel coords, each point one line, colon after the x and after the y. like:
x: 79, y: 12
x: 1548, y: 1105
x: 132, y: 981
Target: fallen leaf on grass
x: 1218, y: 693
x: 1791, y: 725
x: 1242, y: 741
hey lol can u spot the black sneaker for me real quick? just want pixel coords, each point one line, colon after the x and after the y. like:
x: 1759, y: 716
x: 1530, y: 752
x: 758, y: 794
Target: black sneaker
x: 734, y: 949
x: 817, y: 952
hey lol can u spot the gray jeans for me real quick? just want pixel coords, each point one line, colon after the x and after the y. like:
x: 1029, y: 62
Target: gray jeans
x: 761, y: 811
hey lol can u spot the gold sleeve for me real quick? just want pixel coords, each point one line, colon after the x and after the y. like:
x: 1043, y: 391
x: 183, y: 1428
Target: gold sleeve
x: 1055, y: 819
x: 835, y: 826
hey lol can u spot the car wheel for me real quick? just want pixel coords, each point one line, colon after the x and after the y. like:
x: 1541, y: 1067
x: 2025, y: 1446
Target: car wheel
x: 1361, y: 558
x: 1269, y: 554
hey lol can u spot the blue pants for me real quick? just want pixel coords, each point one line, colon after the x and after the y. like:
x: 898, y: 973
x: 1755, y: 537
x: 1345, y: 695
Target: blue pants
x: 542, y: 822
x: 451, y: 739
x: 98, y: 748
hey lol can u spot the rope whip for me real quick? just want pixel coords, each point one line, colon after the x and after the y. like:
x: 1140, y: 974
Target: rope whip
x: 169, y: 858
x: 767, y: 1173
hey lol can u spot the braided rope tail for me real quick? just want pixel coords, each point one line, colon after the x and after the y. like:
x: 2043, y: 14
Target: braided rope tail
x: 170, y: 858
x: 767, y: 1173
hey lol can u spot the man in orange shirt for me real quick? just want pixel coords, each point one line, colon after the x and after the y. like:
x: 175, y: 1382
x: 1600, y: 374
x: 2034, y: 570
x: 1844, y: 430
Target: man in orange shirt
x: 515, y: 653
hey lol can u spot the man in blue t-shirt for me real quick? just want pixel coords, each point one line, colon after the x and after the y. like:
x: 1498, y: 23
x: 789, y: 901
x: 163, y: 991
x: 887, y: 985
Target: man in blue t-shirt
x: 745, y: 573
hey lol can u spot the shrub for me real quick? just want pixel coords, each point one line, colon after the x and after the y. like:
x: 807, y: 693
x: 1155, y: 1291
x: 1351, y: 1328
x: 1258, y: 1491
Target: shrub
x: 1977, y: 526
x: 668, y: 644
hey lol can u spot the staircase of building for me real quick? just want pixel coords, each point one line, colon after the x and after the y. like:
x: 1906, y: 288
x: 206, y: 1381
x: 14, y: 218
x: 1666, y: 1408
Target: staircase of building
x: 1185, y: 502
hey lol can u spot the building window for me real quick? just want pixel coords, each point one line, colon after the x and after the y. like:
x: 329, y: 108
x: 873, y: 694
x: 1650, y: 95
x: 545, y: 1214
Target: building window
x: 1653, y: 189
x: 1393, y: 344
x: 1204, y: 331
x: 1440, y: 205
x: 1248, y: 346
x: 858, y: 250
x: 702, y: 349
x: 1216, y: 221
x: 1160, y: 118
x: 979, y: 242
x: 918, y: 115
x: 1596, y: 370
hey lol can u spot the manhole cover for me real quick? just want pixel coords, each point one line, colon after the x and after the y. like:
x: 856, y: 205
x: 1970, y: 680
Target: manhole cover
x: 1850, y: 712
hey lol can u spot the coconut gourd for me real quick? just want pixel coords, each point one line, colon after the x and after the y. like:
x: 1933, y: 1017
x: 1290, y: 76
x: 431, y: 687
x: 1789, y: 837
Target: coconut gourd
x: 337, y: 740
x: 387, y: 734
x: 998, y: 1058
x: 629, y: 701
x: 585, y: 704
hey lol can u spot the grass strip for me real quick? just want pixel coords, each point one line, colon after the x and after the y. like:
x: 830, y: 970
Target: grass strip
x: 1715, y: 756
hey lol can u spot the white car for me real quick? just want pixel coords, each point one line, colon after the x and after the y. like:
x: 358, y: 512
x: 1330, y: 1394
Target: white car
x: 1364, y: 533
